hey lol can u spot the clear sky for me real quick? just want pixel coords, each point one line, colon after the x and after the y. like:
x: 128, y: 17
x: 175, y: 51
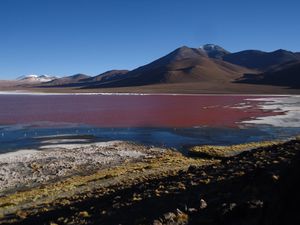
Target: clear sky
x: 64, y: 37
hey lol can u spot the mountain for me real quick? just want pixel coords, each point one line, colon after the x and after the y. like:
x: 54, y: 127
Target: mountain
x: 35, y: 78
x: 183, y: 65
x: 260, y: 60
x: 67, y: 80
x: 111, y: 74
x: 214, y: 51
x: 208, y: 69
x: 286, y: 74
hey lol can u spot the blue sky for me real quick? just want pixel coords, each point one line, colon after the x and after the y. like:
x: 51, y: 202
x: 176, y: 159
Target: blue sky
x: 64, y: 37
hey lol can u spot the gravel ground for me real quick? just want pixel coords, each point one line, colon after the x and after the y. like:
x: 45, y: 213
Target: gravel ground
x: 29, y: 168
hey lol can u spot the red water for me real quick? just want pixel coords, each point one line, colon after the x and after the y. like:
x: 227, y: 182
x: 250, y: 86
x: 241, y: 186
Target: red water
x: 128, y: 110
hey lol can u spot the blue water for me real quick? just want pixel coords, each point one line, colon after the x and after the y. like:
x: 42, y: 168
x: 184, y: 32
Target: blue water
x: 14, y: 138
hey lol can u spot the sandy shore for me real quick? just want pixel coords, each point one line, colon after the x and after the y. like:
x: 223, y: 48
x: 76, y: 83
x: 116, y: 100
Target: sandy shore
x: 184, y: 88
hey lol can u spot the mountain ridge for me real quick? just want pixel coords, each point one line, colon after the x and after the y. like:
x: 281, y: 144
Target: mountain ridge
x: 184, y: 64
x: 36, y: 78
x: 260, y: 60
x: 209, y: 64
x: 286, y: 74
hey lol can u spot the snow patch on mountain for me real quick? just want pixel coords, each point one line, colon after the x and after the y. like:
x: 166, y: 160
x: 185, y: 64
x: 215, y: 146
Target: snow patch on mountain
x: 36, y: 78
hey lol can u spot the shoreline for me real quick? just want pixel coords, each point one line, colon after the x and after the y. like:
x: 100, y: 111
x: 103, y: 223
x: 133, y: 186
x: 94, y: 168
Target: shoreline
x: 166, y: 175
x: 24, y: 92
x: 25, y: 169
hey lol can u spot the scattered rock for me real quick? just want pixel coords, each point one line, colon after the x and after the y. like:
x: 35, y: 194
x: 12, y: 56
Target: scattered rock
x: 192, y: 210
x: 181, y: 218
x: 157, y: 222
x: 84, y: 214
x: 181, y: 186
x: 275, y: 177
x: 169, y: 216
x: 255, y: 204
x: 203, y: 204
x: 21, y: 214
x: 192, y: 168
x: 228, y: 208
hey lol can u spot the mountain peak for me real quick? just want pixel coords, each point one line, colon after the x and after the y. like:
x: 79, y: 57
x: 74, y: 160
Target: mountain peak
x: 214, y: 51
x: 27, y: 76
x: 185, y: 52
x: 210, y: 47
x: 282, y: 51
x: 78, y: 75
x: 36, y: 78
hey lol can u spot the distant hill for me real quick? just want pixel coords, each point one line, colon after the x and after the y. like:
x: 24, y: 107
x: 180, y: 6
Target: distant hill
x: 260, y: 60
x: 180, y: 66
x: 81, y: 80
x: 209, y: 68
x: 67, y: 80
x: 286, y: 74
x: 111, y: 74
x: 35, y: 78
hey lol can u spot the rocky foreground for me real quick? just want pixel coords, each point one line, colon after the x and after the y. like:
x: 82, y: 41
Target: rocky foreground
x: 254, y: 187
x: 53, y: 161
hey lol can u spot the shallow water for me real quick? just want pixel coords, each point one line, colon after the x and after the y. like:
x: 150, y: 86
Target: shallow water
x: 162, y: 120
x: 128, y: 110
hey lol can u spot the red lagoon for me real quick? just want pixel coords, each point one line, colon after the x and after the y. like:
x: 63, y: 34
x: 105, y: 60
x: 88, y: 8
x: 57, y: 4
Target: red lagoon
x: 131, y: 110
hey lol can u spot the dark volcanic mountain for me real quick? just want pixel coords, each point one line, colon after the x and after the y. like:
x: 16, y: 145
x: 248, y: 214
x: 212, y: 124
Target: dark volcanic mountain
x: 208, y: 68
x: 111, y: 74
x: 183, y: 65
x: 286, y: 74
x: 260, y: 60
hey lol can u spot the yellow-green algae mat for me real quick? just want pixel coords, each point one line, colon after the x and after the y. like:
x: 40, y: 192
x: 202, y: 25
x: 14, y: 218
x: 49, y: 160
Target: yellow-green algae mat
x: 77, y: 188
x: 214, y: 151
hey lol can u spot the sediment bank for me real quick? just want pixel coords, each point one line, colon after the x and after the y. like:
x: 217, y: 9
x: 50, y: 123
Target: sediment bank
x: 168, y: 188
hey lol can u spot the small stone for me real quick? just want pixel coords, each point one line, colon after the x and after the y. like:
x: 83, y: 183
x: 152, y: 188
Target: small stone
x: 191, y: 210
x: 203, y: 174
x: 182, y: 218
x: 181, y: 186
x: 192, y: 168
x: 255, y: 204
x: 60, y: 219
x: 117, y: 197
x: 232, y: 206
x: 35, y: 166
x: 157, y: 222
x: 21, y: 214
x: 275, y: 177
x: 136, y: 198
x: 203, y: 204
x: 227, y: 208
x: 84, y: 214
x: 178, y: 211
x: 169, y: 216
x: 206, y: 181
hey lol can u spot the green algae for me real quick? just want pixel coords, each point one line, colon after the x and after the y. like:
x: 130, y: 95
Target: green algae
x: 215, y: 151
